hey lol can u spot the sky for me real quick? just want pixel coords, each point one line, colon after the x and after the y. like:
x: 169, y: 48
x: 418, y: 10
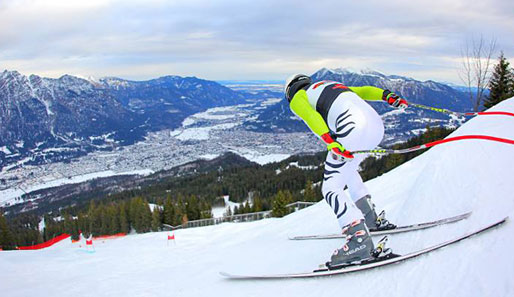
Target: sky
x: 247, y: 40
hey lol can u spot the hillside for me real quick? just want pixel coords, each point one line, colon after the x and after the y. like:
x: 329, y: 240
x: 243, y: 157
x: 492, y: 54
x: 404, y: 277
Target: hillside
x: 446, y: 180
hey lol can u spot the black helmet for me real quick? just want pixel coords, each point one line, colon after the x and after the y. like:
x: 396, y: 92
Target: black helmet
x: 294, y: 83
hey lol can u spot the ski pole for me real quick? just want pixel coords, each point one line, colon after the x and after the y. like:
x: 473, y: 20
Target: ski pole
x: 442, y: 110
x: 433, y: 143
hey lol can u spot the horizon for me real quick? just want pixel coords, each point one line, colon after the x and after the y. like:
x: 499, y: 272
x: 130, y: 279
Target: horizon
x: 223, y: 81
x: 247, y: 40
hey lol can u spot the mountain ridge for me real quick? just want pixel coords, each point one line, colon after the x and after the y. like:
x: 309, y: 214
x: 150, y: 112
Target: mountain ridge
x: 78, y: 115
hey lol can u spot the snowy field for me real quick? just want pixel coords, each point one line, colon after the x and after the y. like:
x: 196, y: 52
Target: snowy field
x: 9, y: 195
x: 447, y: 180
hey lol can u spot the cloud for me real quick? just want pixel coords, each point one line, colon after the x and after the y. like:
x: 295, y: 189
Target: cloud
x: 243, y: 39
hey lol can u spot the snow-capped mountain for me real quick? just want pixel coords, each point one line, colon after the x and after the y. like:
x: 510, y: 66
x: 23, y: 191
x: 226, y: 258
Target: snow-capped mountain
x: 61, y: 116
x: 446, y: 180
x: 50, y: 119
x: 164, y: 101
x: 399, y: 125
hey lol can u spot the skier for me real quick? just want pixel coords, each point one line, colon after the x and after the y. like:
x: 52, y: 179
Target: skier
x: 338, y: 115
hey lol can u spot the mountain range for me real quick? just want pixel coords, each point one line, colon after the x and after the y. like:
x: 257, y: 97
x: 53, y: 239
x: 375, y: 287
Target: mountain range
x: 46, y: 119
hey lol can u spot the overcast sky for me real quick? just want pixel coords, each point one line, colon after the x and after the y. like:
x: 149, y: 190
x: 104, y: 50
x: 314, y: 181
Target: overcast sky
x: 244, y: 40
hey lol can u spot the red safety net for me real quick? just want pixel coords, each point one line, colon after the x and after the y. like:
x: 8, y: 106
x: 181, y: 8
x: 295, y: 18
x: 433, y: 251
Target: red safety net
x: 109, y: 236
x: 46, y: 243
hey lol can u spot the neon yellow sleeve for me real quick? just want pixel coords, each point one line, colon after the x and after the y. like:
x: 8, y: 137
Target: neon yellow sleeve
x: 301, y: 107
x: 368, y: 92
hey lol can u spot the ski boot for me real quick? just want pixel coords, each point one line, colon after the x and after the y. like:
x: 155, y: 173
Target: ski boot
x: 357, y: 247
x: 374, y: 222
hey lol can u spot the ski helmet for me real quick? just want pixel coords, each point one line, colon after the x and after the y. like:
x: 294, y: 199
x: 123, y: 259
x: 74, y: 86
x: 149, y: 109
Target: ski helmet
x: 294, y: 83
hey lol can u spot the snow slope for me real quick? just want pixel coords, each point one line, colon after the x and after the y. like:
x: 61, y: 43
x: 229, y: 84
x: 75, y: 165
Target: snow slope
x: 447, y: 180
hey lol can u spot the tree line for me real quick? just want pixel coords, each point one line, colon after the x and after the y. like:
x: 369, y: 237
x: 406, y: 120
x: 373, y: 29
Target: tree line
x: 103, y: 219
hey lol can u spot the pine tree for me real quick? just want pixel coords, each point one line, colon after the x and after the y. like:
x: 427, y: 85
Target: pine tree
x: 83, y: 223
x: 146, y: 214
x: 156, y: 219
x: 114, y: 215
x: 70, y: 226
x: 6, y: 236
x: 49, y: 228
x: 206, y: 210
x: 105, y: 220
x: 501, y: 85
x: 170, y: 214
x: 184, y: 219
x: 309, y: 194
x: 228, y: 212
x: 93, y: 218
x: 135, y: 214
x: 257, y: 203
x: 193, y: 208
x: 246, y: 207
x: 124, y: 221
x: 280, y: 202
x: 181, y: 215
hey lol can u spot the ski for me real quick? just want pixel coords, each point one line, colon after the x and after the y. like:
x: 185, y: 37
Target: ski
x: 399, y: 229
x: 378, y: 262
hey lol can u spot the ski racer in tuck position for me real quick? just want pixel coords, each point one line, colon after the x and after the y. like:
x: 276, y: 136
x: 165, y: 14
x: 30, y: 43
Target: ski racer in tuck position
x: 338, y: 115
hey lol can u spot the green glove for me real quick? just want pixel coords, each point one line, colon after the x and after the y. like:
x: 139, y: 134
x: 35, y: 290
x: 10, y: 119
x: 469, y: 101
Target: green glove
x: 336, y: 148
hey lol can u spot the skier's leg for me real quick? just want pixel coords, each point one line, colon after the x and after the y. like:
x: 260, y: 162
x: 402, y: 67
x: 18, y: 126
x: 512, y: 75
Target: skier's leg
x: 361, y: 197
x: 356, y: 187
x: 358, y: 244
x: 334, y: 181
x: 358, y: 127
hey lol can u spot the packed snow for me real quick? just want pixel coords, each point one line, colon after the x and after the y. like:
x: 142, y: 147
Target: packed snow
x: 218, y: 212
x: 447, y: 180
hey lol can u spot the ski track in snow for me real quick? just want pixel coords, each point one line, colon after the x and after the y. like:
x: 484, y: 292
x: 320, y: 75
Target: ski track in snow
x: 448, y: 179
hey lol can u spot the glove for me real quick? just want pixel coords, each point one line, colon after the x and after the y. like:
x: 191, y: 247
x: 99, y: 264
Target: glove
x: 336, y: 148
x: 394, y: 100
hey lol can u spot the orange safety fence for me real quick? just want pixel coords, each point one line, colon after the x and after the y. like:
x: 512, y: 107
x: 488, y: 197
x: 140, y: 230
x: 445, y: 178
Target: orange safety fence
x: 102, y: 237
x: 46, y: 243
x: 118, y: 235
